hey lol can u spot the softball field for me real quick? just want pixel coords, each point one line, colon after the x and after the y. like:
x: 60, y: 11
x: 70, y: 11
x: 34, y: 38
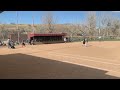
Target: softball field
x: 99, y: 60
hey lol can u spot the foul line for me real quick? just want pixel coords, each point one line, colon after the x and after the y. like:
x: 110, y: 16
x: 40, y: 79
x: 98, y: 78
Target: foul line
x: 82, y: 56
x: 87, y: 65
x: 85, y: 59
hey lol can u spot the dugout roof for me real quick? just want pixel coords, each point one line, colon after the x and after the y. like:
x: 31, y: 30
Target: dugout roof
x: 49, y: 34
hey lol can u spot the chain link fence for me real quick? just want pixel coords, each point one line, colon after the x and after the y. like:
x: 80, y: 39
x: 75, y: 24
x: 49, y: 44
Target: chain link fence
x: 94, y: 38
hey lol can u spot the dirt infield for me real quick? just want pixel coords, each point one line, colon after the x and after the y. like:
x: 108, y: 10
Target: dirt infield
x: 99, y: 60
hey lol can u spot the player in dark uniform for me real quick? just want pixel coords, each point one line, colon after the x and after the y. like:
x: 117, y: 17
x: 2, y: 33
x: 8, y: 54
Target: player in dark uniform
x: 23, y: 43
x: 84, y: 41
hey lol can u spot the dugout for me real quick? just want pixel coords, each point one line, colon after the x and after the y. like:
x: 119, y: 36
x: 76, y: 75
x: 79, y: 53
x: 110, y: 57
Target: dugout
x: 47, y: 38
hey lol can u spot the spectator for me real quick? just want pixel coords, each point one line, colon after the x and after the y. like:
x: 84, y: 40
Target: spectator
x: 23, y: 43
x: 0, y: 43
x: 84, y: 42
x: 12, y: 44
x: 65, y: 40
x: 8, y: 43
x: 32, y: 42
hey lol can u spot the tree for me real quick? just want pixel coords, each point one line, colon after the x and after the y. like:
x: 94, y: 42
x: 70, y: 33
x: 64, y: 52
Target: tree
x: 115, y: 27
x: 49, y: 21
x: 91, y: 21
x: 3, y: 32
x: 110, y: 23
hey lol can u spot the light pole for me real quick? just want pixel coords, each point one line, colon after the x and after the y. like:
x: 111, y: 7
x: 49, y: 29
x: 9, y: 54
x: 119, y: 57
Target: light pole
x: 33, y: 27
x: 99, y: 24
x: 17, y: 27
x: 99, y: 31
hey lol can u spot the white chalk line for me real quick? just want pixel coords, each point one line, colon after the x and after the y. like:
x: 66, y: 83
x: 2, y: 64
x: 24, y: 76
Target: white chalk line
x: 80, y: 57
x: 84, y: 59
x: 74, y: 55
x: 84, y: 56
x: 87, y: 65
x: 82, y: 64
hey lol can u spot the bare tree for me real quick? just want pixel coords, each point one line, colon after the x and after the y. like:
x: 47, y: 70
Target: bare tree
x: 49, y: 21
x: 91, y: 21
x: 115, y: 26
x: 109, y: 22
x: 3, y: 32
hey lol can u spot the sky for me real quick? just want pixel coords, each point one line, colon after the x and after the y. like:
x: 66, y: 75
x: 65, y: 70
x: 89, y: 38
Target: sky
x: 62, y: 17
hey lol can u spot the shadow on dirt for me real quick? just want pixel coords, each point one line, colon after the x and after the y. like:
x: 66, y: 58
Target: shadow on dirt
x: 21, y: 66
